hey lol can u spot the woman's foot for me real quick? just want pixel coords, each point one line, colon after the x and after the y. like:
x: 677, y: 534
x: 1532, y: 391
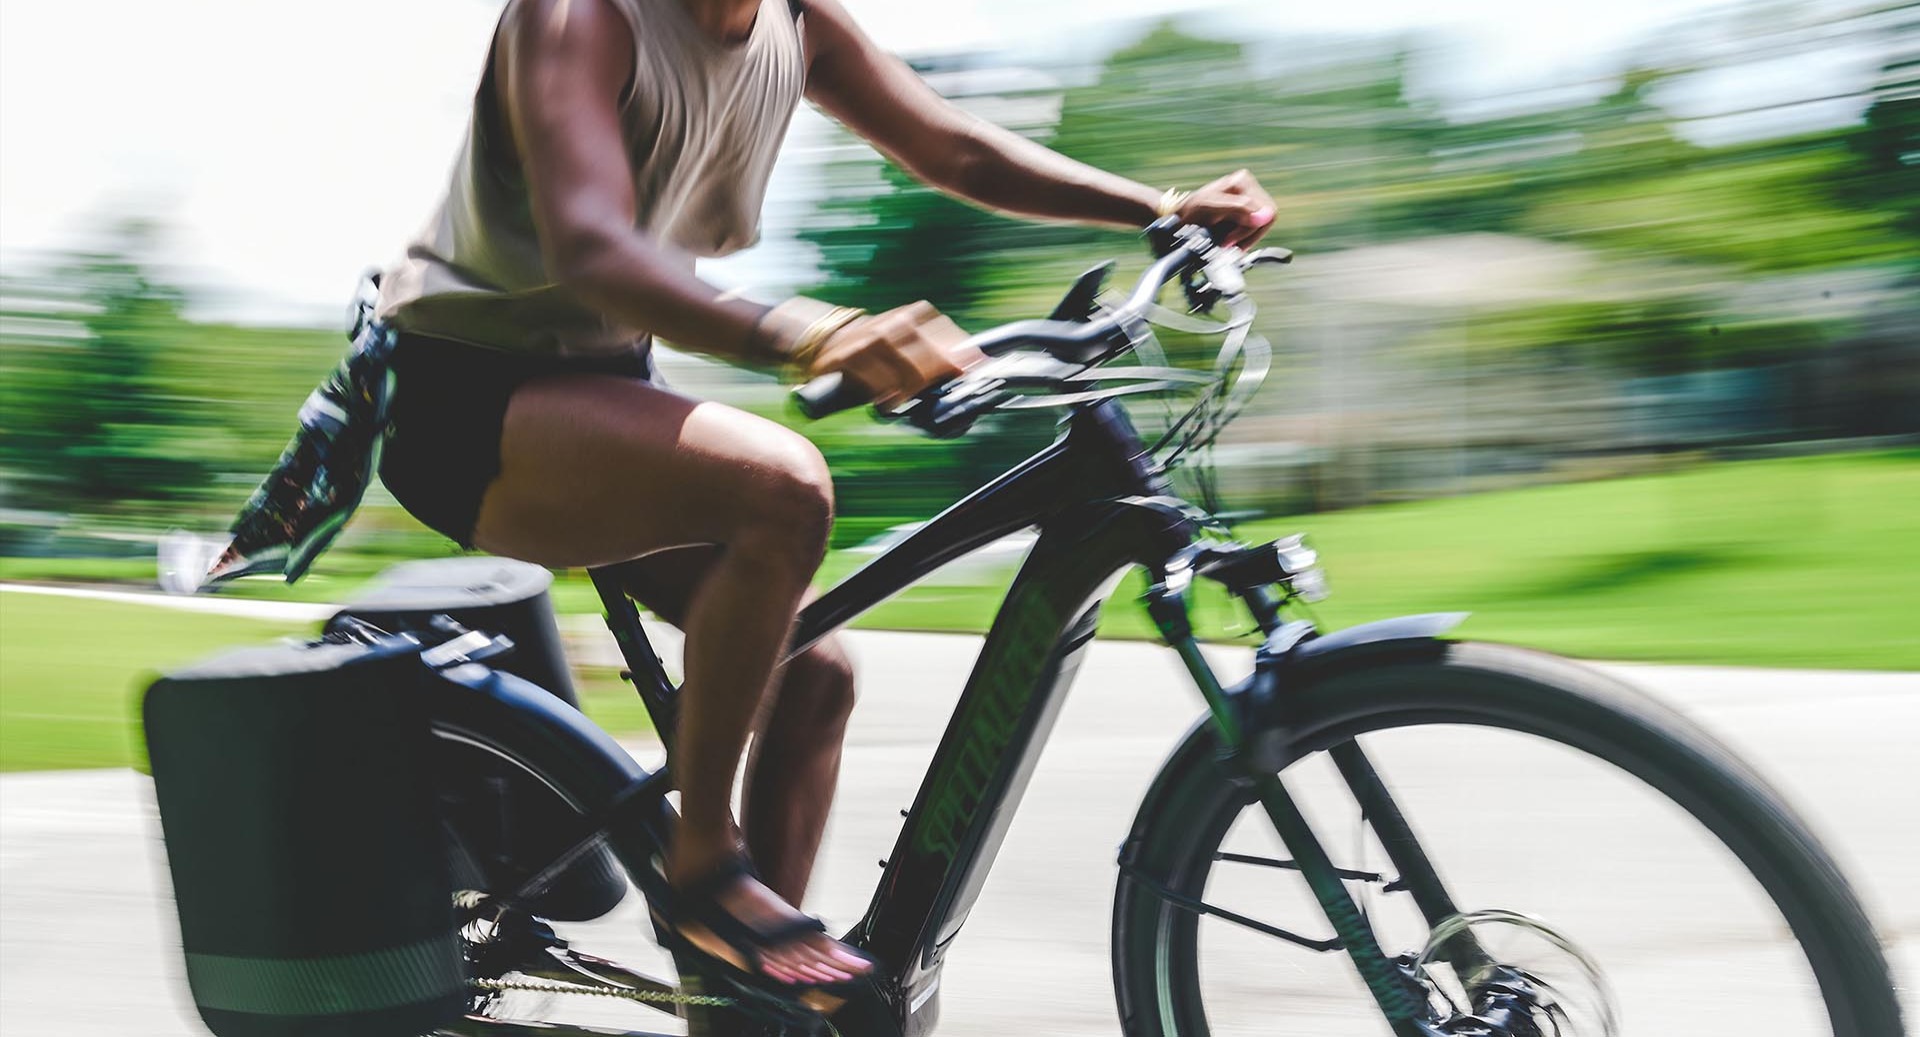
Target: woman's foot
x: 731, y: 915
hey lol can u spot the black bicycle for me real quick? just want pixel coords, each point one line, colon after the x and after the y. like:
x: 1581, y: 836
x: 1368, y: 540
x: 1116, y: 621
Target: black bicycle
x: 1479, y: 892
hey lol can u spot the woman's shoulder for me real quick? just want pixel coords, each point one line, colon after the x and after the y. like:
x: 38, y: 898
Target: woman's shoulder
x: 525, y: 21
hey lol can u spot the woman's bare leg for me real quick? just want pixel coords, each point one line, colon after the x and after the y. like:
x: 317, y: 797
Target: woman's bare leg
x: 596, y: 470
x: 793, y: 765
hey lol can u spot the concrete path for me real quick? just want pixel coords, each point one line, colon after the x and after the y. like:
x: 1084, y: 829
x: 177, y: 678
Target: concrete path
x: 88, y: 945
x: 245, y: 608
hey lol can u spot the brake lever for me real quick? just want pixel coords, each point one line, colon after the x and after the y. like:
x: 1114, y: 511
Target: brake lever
x: 1225, y: 274
x: 1201, y: 296
x: 950, y: 418
x: 948, y: 410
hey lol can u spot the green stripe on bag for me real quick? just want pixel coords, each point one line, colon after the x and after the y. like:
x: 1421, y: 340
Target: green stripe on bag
x: 366, y: 982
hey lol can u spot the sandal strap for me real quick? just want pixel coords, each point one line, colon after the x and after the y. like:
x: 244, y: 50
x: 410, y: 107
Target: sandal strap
x: 729, y: 870
x: 789, y: 931
x: 698, y: 901
x: 749, y: 940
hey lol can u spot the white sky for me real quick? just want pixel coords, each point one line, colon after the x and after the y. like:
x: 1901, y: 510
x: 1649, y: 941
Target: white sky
x: 288, y: 146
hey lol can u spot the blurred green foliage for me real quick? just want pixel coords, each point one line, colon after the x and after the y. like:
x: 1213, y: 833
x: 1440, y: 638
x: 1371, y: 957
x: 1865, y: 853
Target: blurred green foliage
x: 93, y: 412
x: 116, y: 408
x: 1687, y: 235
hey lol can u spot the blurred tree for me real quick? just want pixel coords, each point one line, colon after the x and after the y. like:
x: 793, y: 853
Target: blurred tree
x: 89, y: 420
x: 886, y: 243
x: 1162, y: 110
x: 1888, y: 141
x: 885, y: 239
x: 1356, y: 157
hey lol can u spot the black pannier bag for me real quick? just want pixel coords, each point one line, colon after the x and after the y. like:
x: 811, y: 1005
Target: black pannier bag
x: 506, y: 826
x: 309, y: 866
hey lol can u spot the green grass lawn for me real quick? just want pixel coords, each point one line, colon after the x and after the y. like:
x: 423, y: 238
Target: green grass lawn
x: 1810, y: 562
x: 72, y: 672
x: 1797, y: 562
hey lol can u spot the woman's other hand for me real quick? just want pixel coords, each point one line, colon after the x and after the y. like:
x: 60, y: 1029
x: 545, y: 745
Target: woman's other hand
x: 1235, y: 208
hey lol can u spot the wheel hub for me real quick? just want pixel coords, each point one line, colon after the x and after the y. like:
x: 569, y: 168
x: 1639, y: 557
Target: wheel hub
x: 1539, y: 983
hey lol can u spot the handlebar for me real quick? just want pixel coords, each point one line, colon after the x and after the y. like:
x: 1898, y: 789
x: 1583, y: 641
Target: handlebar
x: 1182, y: 249
x: 1084, y: 341
x: 829, y: 394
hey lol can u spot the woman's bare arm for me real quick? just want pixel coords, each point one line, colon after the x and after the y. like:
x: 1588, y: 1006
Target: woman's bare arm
x: 883, y: 100
x: 563, y: 67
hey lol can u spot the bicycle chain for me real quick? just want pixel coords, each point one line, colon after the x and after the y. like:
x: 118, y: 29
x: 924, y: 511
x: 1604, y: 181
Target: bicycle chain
x: 549, y: 986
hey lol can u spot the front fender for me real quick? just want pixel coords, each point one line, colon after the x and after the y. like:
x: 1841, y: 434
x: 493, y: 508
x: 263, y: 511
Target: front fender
x: 1296, y: 653
x: 1399, y: 634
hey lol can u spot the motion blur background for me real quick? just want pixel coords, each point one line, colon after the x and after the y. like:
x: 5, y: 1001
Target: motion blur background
x: 1605, y: 322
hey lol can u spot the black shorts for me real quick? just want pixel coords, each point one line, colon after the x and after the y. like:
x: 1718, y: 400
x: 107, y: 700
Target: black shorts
x: 449, y: 404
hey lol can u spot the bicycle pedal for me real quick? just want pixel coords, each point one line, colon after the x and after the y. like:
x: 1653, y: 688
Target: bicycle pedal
x: 499, y: 939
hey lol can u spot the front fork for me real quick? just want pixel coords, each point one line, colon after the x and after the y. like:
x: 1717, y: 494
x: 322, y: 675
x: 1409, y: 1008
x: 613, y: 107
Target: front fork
x: 1400, y: 993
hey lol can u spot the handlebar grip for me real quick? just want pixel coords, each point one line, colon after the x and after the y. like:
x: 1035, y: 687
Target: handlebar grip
x: 828, y: 394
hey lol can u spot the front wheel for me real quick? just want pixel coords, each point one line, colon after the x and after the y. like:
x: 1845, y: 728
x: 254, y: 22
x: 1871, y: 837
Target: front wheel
x: 1574, y: 822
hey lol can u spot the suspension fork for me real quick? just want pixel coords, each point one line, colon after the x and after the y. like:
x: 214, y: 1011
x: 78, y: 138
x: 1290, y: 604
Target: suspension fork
x: 1400, y: 997
x: 1378, y: 810
x: 1417, y: 874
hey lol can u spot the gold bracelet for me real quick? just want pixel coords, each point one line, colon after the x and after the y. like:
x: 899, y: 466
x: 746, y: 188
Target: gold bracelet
x: 1172, y: 201
x: 808, y: 345
x: 822, y: 329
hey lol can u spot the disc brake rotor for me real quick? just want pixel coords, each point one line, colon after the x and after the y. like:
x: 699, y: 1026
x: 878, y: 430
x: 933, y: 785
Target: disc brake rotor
x: 1540, y: 983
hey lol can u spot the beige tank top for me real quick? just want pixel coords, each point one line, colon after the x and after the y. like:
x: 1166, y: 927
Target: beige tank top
x: 704, y: 121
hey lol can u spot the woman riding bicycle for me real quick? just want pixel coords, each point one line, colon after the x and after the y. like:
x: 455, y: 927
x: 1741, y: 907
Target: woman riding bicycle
x: 611, y: 143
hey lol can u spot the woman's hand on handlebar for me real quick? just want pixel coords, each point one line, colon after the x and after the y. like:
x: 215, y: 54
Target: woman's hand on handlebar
x: 897, y: 354
x: 1235, y: 208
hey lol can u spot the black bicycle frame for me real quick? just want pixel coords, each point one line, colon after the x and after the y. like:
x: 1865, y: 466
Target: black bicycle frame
x: 1102, y: 507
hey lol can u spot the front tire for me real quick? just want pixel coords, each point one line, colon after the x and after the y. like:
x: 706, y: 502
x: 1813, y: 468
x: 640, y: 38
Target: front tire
x: 1158, y: 975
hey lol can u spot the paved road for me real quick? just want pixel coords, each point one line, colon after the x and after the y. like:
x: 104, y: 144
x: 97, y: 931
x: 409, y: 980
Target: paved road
x: 246, y: 608
x: 87, y: 939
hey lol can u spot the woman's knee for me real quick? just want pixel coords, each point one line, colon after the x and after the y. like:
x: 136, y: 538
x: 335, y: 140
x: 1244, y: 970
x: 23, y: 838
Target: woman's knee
x: 818, y: 689
x: 791, y: 513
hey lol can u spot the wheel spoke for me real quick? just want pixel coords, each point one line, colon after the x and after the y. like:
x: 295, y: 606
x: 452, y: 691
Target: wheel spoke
x: 1201, y: 907
x: 1274, y: 862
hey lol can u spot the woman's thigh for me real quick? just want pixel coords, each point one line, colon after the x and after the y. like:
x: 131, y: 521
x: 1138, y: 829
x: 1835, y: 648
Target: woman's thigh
x: 597, y: 469
x: 664, y: 582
